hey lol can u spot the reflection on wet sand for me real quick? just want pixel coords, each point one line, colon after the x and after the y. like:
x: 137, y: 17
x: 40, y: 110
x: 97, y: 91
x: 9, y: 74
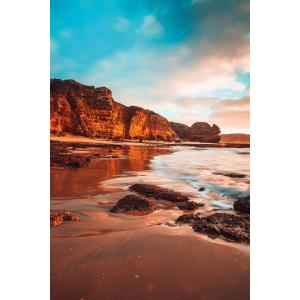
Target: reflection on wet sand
x: 85, y: 181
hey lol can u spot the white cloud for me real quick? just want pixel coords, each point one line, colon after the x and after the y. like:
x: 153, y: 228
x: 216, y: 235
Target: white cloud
x: 121, y: 25
x: 151, y: 27
x: 53, y: 45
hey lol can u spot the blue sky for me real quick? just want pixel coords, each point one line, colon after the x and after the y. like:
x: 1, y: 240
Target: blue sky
x: 187, y: 60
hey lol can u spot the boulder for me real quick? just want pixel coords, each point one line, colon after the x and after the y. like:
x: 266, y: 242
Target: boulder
x: 58, y: 217
x: 190, y: 205
x: 159, y: 192
x: 228, y: 226
x: 242, y: 205
x: 133, y: 203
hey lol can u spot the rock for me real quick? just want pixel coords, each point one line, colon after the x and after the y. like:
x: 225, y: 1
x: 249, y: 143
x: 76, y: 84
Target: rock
x: 85, y: 110
x: 183, y: 131
x: 58, y: 217
x: 159, y: 192
x: 190, y: 205
x: 203, y: 132
x: 231, y: 174
x: 133, y: 203
x: 242, y: 205
x: 231, y: 227
x: 201, y: 189
x: 188, y: 218
x: 71, y: 161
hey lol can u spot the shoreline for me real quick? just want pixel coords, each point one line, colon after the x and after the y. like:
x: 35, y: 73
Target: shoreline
x: 146, y: 143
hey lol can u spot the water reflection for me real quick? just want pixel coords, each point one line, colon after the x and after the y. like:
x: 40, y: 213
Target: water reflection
x: 85, y: 181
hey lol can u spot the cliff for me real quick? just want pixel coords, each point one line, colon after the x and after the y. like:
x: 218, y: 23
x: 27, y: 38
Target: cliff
x: 199, y: 131
x: 85, y: 110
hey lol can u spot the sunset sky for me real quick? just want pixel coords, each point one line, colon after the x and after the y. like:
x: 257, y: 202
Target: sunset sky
x: 187, y: 60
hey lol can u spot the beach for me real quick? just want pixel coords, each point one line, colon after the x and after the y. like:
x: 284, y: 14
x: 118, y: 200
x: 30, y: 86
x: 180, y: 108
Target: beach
x: 109, y: 255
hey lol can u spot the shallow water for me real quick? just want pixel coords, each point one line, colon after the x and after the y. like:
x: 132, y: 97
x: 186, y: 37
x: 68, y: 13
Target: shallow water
x: 187, y: 169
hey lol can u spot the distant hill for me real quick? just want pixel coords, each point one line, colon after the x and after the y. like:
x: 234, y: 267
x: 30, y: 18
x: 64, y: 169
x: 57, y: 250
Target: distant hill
x: 239, y: 138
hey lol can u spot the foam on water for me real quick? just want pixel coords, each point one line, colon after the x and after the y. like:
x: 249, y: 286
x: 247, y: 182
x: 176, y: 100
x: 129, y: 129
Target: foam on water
x: 196, y: 167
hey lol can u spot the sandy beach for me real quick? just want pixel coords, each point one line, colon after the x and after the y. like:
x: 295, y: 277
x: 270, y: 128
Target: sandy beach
x: 125, y: 256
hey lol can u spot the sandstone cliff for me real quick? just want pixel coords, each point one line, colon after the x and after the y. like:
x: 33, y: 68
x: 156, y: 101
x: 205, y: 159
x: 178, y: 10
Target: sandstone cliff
x: 85, y: 110
x: 199, y: 131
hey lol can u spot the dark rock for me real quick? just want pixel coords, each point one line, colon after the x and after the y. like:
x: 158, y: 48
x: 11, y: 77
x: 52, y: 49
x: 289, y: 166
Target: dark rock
x: 232, y: 227
x: 60, y: 156
x: 231, y: 174
x: 242, y: 205
x: 71, y: 161
x: 133, y: 203
x: 159, y: 192
x: 188, y: 218
x: 190, y: 205
x: 201, y: 189
x: 58, y: 217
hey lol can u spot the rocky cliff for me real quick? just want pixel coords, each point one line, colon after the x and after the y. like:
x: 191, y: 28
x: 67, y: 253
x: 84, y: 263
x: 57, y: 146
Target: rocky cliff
x: 88, y: 111
x: 199, y: 131
x: 85, y: 110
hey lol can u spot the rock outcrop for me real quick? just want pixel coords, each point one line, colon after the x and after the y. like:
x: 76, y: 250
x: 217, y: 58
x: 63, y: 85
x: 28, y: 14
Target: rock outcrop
x: 228, y: 226
x: 85, y: 110
x: 199, y: 132
x: 183, y: 131
x: 131, y: 203
x: 203, y: 132
x: 242, y: 205
x: 58, y: 217
x: 158, y: 192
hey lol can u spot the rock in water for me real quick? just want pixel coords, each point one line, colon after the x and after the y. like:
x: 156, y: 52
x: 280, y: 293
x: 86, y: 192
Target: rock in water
x: 242, y: 205
x: 85, y: 110
x: 58, y: 217
x: 133, y: 203
x: 190, y: 205
x: 231, y: 227
x: 159, y: 192
x: 231, y: 174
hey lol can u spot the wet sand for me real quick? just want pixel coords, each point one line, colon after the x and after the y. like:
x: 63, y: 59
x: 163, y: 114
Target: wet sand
x: 119, y: 256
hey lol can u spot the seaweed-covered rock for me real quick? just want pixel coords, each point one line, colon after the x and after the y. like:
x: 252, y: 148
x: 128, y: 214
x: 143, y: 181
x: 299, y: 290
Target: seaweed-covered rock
x: 58, y: 217
x: 133, y: 203
x: 190, y: 205
x: 231, y: 227
x: 242, y: 205
x: 159, y: 192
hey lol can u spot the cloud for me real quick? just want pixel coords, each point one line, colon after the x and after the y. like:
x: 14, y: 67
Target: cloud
x: 121, y: 25
x: 151, y: 27
x: 53, y: 45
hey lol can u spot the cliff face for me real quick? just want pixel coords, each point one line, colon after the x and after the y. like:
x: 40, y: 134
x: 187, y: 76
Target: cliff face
x: 199, y: 131
x: 84, y: 110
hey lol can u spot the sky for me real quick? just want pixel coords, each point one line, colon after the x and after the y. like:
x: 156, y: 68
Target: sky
x: 187, y: 60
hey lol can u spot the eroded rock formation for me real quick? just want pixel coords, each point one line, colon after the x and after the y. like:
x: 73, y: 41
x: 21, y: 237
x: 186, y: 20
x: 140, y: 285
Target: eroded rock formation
x: 199, y: 132
x: 85, y: 110
x: 88, y: 111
